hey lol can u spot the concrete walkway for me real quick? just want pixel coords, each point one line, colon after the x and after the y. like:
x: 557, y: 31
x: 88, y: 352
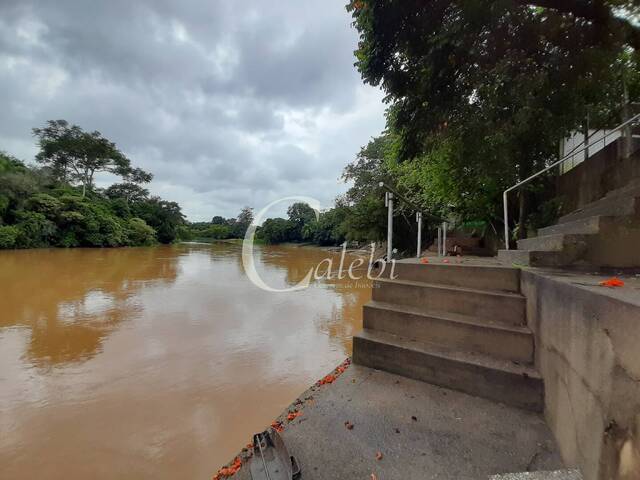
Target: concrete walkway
x: 422, y: 432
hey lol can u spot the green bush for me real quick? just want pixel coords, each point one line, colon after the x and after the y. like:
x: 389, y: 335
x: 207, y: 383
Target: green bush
x: 139, y: 233
x: 35, y: 230
x: 8, y: 236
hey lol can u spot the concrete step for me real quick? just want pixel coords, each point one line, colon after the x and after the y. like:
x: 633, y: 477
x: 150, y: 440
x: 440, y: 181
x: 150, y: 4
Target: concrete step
x: 472, y: 373
x: 504, y: 307
x: 529, y: 258
x: 494, y: 278
x: 460, y: 331
x: 556, y: 243
x: 584, y: 226
x: 616, y: 206
x: 554, y: 475
x: 631, y: 189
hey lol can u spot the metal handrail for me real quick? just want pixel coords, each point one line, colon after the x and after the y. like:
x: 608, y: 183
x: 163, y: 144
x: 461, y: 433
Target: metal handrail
x: 388, y: 200
x: 555, y: 164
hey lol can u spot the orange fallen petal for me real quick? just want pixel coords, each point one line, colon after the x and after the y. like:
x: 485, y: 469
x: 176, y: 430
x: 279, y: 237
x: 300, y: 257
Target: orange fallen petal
x: 293, y: 415
x: 374, y: 477
x: 423, y: 261
x: 612, y: 282
x: 379, y: 456
x: 446, y: 260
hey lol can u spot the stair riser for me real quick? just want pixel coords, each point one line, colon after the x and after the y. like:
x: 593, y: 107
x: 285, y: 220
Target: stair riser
x: 591, y: 225
x: 554, y: 243
x: 538, y: 259
x: 482, y: 278
x: 606, y: 207
x: 509, y: 388
x: 474, y: 338
x: 504, y: 309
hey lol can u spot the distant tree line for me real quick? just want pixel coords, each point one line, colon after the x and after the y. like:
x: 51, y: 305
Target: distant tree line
x: 220, y: 228
x: 56, y: 202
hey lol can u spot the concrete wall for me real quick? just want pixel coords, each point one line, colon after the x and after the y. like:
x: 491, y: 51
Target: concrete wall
x: 588, y: 352
x: 601, y: 173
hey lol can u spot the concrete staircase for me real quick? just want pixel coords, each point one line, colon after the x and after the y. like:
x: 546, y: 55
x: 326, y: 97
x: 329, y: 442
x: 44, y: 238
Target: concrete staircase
x: 604, y: 233
x: 454, y: 325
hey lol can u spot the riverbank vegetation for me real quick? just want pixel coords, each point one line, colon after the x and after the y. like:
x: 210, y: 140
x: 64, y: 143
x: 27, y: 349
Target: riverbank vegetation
x: 481, y: 94
x: 56, y: 203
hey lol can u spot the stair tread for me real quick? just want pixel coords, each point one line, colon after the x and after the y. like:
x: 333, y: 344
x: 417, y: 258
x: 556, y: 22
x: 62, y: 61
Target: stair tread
x: 564, y: 237
x: 452, y: 354
x: 584, y: 223
x: 448, y: 316
x: 497, y: 293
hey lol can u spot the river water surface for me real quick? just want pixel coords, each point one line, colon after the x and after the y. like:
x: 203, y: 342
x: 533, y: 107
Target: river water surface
x: 157, y: 363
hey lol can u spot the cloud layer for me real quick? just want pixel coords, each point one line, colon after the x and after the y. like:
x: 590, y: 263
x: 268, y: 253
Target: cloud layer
x: 227, y: 103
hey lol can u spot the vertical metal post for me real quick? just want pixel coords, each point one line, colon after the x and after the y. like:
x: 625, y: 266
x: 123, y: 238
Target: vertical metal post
x: 506, y: 220
x: 439, y: 241
x: 419, y: 219
x: 389, y: 203
x: 444, y: 239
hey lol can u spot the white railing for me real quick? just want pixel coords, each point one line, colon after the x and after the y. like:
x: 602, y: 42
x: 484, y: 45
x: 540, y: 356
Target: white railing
x: 570, y: 155
x: 389, y: 196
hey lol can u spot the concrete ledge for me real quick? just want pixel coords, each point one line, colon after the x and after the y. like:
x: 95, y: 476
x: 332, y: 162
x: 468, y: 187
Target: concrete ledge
x: 422, y: 431
x: 587, y: 351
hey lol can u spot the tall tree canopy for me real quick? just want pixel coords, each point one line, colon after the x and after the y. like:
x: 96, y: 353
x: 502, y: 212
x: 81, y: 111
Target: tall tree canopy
x: 482, y: 91
x: 75, y: 155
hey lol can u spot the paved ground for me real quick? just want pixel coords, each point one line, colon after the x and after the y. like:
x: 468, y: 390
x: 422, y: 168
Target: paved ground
x: 422, y: 432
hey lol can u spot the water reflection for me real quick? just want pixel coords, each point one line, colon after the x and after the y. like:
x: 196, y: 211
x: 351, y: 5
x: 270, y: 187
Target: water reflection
x: 71, y: 299
x: 156, y: 362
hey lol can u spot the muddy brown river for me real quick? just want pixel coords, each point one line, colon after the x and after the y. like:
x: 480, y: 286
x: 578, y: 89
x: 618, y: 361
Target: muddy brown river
x: 157, y: 363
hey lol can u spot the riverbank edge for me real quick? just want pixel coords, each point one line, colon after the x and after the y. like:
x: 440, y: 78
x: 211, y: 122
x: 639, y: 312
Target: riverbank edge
x: 288, y: 415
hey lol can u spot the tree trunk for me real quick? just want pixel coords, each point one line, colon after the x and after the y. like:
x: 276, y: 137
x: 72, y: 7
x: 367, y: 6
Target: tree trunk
x: 522, y: 214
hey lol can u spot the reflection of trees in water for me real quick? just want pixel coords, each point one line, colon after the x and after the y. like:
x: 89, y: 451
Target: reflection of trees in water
x: 72, y: 299
x: 295, y: 262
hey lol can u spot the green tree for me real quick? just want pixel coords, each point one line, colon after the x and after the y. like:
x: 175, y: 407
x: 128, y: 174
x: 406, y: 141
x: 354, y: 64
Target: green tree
x: 300, y: 214
x: 139, y: 233
x: 76, y: 155
x: 241, y: 224
x: 129, y: 192
x: 163, y: 216
x: 484, y: 91
x: 276, y: 230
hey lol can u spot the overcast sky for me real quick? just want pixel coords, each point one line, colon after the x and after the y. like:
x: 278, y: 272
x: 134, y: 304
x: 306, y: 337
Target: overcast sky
x: 227, y: 103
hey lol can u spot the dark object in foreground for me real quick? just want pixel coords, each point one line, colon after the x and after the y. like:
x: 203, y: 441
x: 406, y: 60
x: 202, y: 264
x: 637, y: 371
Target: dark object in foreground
x: 271, y: 460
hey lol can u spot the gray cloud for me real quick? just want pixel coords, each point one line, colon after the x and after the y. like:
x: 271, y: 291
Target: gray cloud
x: 227, y: 103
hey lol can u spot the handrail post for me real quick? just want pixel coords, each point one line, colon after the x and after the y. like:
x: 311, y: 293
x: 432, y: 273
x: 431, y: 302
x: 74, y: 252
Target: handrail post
x: 419, y: 219
x: 444, y: 239
x: 389, y: 203
x: 439, y: 241
x: 506, y: 220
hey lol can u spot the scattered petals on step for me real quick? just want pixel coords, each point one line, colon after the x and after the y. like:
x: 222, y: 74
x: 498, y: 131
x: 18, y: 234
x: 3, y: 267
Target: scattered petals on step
x: 230, y: 471
x: 612, y: 282
x: 277, y: 426
x: 340, y: 369
x: 293, y: 415
x: 424, y: 261
x: 378, y: 455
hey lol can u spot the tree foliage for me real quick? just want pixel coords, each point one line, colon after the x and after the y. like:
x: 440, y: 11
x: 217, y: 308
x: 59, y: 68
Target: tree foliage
x: 76, y: 156
x: 481, y: 92
x: 41, y: 207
